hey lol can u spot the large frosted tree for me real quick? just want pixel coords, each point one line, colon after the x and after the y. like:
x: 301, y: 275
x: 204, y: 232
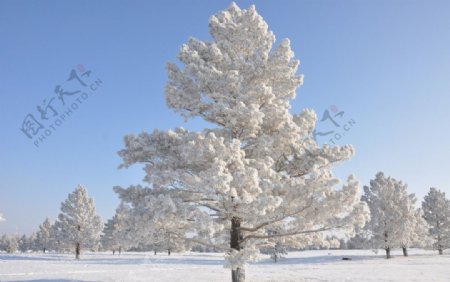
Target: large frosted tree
x: 258, y: 166
x: 436, y: 211
x: 78, y: 224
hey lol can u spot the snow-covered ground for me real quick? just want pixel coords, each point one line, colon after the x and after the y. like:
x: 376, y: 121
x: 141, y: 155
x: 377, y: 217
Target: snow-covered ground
x: 421, y: 265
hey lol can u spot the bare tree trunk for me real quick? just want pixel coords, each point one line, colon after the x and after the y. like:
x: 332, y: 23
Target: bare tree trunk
x: 441, y: 252
x: 155, y: 252
x: 120, y: 250
x: 114, y: 251
x: 405, y: 251
x: 169, y: 244
x: 388, y: 249
x: 43, y: 250
x: 238, y: 274
x: 77, y: 250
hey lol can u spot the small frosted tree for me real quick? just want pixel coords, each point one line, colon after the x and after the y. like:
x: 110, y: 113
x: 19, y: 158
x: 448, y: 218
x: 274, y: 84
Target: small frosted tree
x: 115, y: 235
x: 412, y: 226
x: 9, y: 244
x: 421, y: 236
x: 107, y: 239
x: 258, y: 166
x: 78, y: 224
x: 151, y: 219
x: 24, y: 243
x: 436, y: 211
x: 393, y: 215
x: 43, y: 236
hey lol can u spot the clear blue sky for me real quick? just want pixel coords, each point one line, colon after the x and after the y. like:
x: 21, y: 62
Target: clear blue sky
x: 385, y: 63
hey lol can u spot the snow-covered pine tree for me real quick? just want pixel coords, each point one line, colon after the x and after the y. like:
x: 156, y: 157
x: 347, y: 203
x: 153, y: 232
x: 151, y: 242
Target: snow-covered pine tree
x: 393, y: 215
x: 9, y: 244
x: 107, y: 240
x: 258, y: 165
x: 23, y: 243
x: 115, y: 236
x: 436, y: 211
x: 43, y: 236
x: 120, y: 232
x: 3, y: 242
x: 151, y: 219
x: 78, y: 225
x: 32, y: 241
x: 421, y: 237
x: 411, y: 224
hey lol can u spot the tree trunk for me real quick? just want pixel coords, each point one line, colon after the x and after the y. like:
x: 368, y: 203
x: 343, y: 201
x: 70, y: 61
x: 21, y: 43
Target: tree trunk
x: 388, y: 253
x: 114, y: 251
x: 120, y: 250
x: 168, y: 251
x: 238, y: 274
x: 43, y: 250
x: 388, y: 249
x: 441, y: 252
x: 77, y: 250
x: 405, y: 251
x: 155, y: 252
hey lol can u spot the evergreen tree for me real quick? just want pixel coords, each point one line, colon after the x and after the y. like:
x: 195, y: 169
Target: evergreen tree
x: 258, y: 165
x: 78, y: 224
x: 436, y: 211
x: 393, y: 215
x: 43, y: 236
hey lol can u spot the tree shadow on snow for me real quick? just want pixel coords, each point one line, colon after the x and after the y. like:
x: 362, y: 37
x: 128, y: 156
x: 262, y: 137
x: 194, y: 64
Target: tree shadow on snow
x: 152, y: 260
x: 325, y: 259
x: 52, y: 280
x: 22, y: 257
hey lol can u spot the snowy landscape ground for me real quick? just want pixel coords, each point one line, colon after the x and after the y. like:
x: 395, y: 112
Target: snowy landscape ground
x: 323, y: 265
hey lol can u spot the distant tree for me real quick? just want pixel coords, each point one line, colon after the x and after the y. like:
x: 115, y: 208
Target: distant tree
x: 115, y: 236
x: 106, y: 239
x: 3, y: 240
x: 151, y: 219
x: 436, y: 211
x: 24, y: 243
x: 44, y: 235
x: 78, y: 225
x: 362, y: 239
x: 413, y: 228
x: 9, y: 244
x: 32, y: 242
x: 422, y: 236
x: 393, y: 216
x: 278, y: 250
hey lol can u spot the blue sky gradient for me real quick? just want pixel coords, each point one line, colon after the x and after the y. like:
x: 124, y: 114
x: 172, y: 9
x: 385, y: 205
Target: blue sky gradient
x: 386, y: 64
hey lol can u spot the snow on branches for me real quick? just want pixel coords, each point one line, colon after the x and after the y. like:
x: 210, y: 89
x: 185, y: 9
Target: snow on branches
x: 436, y: 211
x: 78, y: 225
x: 259, y: 166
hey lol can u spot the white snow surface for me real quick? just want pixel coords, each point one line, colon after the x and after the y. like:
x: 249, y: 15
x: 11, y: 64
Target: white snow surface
x: 321, y: 265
